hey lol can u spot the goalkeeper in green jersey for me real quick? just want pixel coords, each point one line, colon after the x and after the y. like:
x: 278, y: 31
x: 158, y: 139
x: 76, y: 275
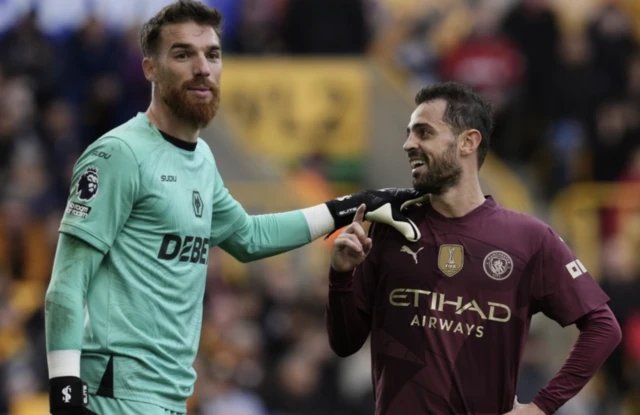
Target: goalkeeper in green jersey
x: 124, y: 306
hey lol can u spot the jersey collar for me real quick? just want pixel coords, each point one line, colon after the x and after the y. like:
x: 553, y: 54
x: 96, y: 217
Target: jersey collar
x: 185, y: 145
x: 488, y: 205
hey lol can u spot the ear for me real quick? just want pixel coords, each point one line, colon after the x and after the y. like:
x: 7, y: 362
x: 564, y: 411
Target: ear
x: 149, y: 69
x: 469, y: 142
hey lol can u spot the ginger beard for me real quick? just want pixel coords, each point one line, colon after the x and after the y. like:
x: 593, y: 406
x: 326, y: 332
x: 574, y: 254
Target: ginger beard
x: 441, y: 173
x: 187, y: 106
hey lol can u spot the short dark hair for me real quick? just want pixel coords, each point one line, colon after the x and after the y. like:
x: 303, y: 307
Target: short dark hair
x: 465, y: 110
x: 181, y: 11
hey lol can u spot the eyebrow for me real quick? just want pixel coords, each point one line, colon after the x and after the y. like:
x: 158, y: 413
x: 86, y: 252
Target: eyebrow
x: 189, y: 46
x: 417, y: 126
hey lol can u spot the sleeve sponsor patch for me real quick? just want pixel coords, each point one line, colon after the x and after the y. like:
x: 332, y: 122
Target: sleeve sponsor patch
x: 87, y: 187
x: 76, y: 209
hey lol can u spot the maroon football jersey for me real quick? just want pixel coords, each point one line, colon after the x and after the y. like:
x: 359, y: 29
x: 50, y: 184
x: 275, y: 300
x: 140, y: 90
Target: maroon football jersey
x: 450, y: 314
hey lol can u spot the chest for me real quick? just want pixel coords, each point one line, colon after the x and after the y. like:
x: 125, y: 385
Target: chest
x: 176, y: 194
x: 454, y: 274
x: 455, y: 257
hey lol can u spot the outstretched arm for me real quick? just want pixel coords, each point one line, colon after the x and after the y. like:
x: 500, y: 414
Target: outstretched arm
x: 252, y: 237
x: 261, y: 236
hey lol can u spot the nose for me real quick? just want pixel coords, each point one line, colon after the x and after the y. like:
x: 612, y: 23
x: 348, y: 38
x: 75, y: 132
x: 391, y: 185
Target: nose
x: 410, y: 144
x: 201, y: 67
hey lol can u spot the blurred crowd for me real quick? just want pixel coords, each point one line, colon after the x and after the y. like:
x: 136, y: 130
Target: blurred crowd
x: 568, y: 110
x: 566, y: 94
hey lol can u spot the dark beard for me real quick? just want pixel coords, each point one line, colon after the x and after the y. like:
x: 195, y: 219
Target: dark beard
x: 186, y: 108
x: 441, y: 175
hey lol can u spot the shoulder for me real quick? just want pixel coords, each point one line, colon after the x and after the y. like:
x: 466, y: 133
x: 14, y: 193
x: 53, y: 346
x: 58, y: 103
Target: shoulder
x: 521, y: 220
x: 138, y: 136
x: 111, y: 148
x: 108, y: 156
x: 107, y: 160
x: 528, y: 228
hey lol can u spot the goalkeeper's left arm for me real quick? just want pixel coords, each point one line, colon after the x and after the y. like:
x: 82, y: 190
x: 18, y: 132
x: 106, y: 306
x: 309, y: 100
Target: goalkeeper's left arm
x: 259, y: 236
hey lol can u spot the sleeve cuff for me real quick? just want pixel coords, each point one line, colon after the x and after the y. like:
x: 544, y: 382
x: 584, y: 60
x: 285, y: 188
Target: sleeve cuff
x: 340, y: 281
x: 319, y: 220
x: 84, y: 236
x: 544, y: 405
x: 63, y: 363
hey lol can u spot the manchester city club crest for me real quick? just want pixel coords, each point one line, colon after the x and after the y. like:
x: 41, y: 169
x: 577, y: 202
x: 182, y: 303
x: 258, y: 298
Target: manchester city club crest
x: 498, y: 265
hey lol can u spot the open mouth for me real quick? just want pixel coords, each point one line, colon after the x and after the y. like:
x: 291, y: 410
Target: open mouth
x: 417, y: 166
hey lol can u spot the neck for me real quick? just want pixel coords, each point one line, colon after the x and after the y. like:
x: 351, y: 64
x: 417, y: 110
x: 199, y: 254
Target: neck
x: 460, y: 199
x: 165, y: 120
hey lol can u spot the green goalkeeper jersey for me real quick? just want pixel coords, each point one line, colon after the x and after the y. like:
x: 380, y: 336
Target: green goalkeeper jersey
x: 154, y: 205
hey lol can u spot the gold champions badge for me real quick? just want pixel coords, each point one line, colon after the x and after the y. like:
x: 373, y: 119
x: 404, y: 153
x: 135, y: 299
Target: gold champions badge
x: 451, y: 259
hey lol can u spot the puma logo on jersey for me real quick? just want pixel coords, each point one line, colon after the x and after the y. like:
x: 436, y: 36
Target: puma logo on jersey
x: 408, y: 250
x: 66, y: 394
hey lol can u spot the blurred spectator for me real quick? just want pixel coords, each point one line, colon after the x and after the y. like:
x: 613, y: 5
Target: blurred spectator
x: 134, y: 91
x: 230, y: 10
x: 217, y: 394
x: 90, y: 81
x: 62, y: 146
x: 486, y: 60
x: 325, y: 27
x: 257, y: 28
x: 611, y: 34
x: 622, y: 219
x: 296, y: 387
x: 575, y: 88
x: 576, y: 85
x: 613, y: 136
x: 533, y: 26
x: 354, y: 377
x: 490, y: 63
x: 621, y: 281
x: 25, y: 51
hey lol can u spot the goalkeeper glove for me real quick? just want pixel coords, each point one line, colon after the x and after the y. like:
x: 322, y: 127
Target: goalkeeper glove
x: 383, y: 206
x: 68, y: 395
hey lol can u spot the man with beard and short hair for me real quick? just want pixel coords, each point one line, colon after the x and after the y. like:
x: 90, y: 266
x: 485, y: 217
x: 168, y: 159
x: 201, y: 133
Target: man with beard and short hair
x: 449, y: 314
x: 124, y: 305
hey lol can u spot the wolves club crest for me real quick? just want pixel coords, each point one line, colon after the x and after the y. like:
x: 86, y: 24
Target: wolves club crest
x: 87, y: 187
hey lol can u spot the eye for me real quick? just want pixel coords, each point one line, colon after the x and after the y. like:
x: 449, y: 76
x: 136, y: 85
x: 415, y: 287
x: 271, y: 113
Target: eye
x: 181, y: 55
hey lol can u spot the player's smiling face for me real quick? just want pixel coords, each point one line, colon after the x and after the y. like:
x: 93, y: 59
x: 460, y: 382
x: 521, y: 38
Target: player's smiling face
x: 432, y: 149
x: 188, y: 71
